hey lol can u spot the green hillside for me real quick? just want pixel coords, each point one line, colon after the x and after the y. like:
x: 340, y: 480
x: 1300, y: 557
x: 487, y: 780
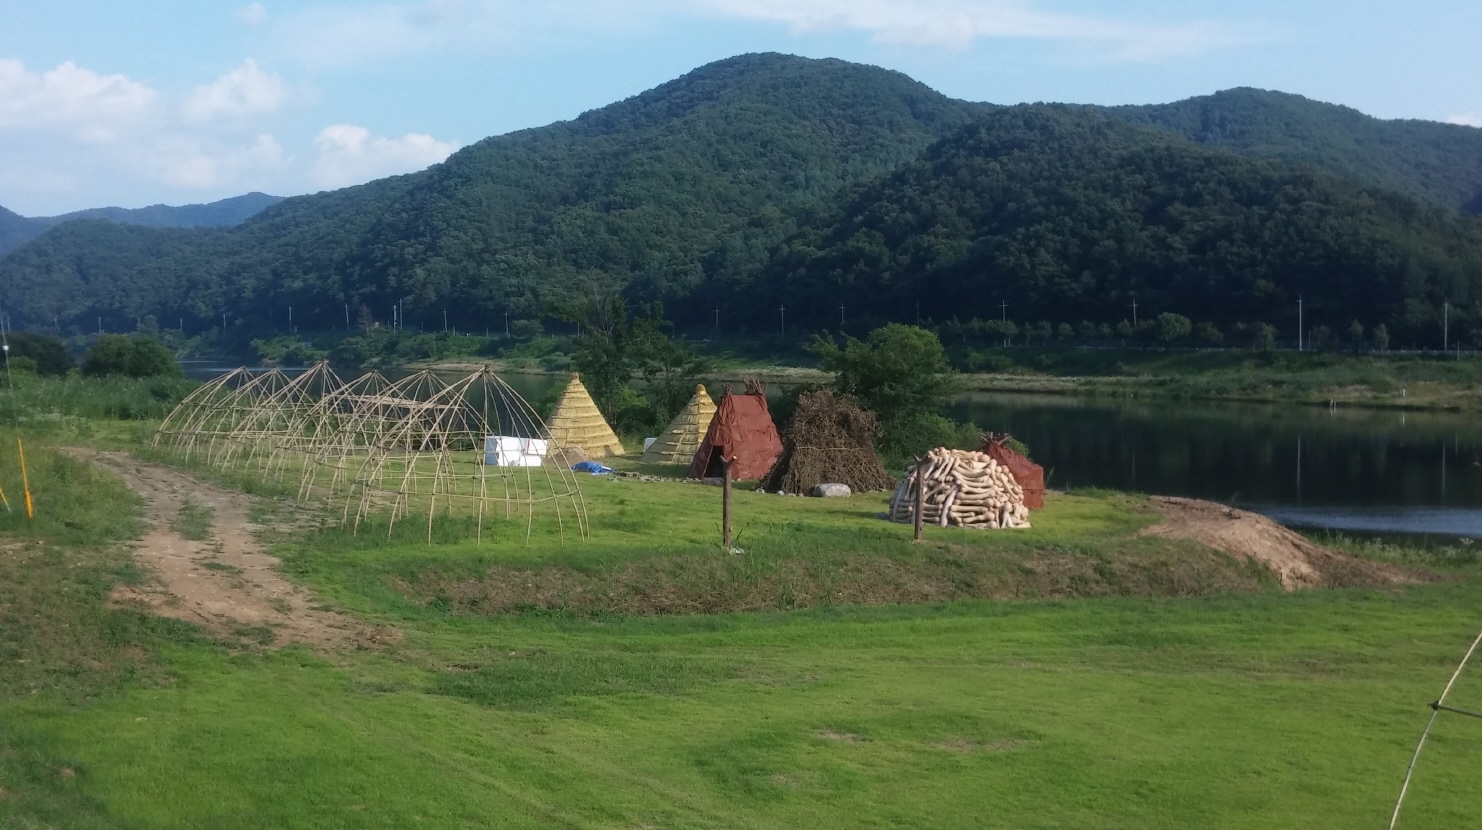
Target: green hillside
x: 1066, y: 215
x: 16, y: 230
x: 709, y: 167
x: 1438, y: 163
x: 753, y: 178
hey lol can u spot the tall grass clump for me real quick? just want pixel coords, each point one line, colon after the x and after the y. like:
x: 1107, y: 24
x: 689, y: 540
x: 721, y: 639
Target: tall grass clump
x: 42, y: 400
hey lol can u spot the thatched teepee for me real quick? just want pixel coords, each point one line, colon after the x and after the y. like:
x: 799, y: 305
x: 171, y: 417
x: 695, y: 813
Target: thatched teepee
x: 577, y: 423
x: 829, y: 439
x: 678, y: 442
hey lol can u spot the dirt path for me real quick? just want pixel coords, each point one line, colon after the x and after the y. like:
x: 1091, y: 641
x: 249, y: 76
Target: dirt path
x: 224, y: 581
x: 1296, y: 560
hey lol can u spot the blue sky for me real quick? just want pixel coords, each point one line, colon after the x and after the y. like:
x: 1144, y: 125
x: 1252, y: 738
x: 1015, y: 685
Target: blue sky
x: 147, y: 102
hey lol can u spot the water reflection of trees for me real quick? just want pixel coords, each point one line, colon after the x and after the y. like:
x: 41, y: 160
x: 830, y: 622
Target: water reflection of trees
x: 1246, y: 453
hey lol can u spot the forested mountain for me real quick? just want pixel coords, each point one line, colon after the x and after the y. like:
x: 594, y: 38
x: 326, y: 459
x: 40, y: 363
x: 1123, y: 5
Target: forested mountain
x: 767, y: 177
x: 638, y: 193
x: 1438, y: 163
x: 1067, y: 215
x: 16, y: 230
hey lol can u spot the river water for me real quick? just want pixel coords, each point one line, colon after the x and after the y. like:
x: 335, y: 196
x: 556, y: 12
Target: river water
x: 1345, y: 469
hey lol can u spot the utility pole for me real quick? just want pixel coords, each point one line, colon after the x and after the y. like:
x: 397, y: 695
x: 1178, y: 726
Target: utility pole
x: 1134, y: 313
x: 100, y: 323
x: 1446, y: 326
x: 782, y: 310
x: 841, y: 317
x: 1299, y: 322
x: 347, y: 318
x: 506, y: 325
x: 290, y: 319
x: 717, y: 321
x: 445, y: 319
x: 1003, y: 310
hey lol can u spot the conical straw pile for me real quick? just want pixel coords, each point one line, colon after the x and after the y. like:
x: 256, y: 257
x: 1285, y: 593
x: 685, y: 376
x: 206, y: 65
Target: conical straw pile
x: 578, y: 423
x: 679, y: 441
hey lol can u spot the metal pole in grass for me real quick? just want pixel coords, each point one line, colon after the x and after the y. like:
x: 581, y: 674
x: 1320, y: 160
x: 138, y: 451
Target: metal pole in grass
x: 920, y: 500
x: 725, y: 503
x: 9, y: 379
x: 25, y: 480
x: 1436, y: 709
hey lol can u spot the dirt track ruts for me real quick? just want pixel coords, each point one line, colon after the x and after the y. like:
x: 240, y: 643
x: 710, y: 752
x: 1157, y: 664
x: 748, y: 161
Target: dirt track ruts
x: 225, y: 583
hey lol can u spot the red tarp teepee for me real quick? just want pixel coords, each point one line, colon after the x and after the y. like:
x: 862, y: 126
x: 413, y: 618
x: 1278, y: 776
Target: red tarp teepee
x: 741, y: 432
x: 1029, y: 475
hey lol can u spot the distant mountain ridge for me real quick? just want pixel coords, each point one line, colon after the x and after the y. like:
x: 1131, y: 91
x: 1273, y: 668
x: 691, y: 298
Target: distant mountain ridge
x: 1066, y: 215
x: 1434, y: 162
x: 16, y: 230
x: 741, y: 181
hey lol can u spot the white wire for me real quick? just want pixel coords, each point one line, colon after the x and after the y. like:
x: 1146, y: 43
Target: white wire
x: 1395, y: 817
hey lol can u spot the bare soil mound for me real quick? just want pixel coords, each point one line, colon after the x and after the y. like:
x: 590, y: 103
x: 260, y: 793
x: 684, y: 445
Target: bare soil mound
x: 1296, y: 560
x: 224, y: 582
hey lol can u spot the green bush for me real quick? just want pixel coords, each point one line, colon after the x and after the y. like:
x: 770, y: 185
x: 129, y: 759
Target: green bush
x: 51, y: 355
x: 134, y: 357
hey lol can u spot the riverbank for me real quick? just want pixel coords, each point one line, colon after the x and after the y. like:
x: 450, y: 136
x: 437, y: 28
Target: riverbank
x: 1398, y: 381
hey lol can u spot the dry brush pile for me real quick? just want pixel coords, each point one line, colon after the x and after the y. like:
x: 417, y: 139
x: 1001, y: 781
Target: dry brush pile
x: 963, y: 488
x: 830, y: 439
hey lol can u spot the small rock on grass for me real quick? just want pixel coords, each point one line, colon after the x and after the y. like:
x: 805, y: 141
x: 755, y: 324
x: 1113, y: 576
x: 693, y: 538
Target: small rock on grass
x: 829, y: 491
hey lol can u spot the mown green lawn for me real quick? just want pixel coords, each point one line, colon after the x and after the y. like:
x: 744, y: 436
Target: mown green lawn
x: 1238, y: 710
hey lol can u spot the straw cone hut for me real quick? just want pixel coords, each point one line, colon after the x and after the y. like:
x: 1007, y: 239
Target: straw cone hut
x: 577, y: 423
x: 678, y: 442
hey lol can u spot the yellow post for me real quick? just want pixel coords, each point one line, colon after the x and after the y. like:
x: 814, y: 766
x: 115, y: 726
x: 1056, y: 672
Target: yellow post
x: 25, y: 480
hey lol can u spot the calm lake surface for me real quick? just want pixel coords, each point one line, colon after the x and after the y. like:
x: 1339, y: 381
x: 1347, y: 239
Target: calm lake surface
x: 1348, y: 469
x: 1344, y: 469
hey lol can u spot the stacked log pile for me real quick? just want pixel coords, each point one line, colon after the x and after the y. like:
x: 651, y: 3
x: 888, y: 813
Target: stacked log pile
x: 963, y: 488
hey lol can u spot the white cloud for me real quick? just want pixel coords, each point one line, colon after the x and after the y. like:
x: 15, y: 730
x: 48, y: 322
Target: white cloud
x: 91, y: 106
x: 351, y: 155
x: 342, y: 35
x: 252, y: 15
x: 246, y: 90
x: 1465, y: 119
x: 350, y: 34
x: 72, y: 131
x: 198, y: 163
x: 957, y: 24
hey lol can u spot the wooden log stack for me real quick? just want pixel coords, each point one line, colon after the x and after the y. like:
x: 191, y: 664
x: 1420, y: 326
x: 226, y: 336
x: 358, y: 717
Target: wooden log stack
x: 963, y: 488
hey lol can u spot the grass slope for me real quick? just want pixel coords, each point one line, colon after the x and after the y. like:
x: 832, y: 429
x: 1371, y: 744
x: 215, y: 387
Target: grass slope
x: 1248, y: 710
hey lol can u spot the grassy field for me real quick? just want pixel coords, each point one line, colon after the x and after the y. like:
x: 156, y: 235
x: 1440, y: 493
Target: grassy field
x: 1120, y: 708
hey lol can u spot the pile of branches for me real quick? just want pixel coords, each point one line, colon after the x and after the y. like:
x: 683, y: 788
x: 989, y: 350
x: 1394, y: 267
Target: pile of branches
x: 830, y: 440
x: 962, y: 488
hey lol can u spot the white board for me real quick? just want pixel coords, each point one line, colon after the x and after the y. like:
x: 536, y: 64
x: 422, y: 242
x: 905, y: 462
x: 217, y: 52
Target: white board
x: 510, y: 451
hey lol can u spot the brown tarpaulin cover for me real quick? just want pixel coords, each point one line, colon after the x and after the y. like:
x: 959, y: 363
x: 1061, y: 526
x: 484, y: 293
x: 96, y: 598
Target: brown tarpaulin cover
x: 742, y: 431
x: 1028, y: 474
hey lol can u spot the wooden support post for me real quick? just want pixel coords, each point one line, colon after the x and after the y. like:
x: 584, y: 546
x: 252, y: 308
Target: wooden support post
x: 725, y: 504
x: 920, y: 499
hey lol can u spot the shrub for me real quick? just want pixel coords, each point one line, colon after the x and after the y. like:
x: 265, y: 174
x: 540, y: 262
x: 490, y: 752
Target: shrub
x: 50, y: 353
x: 135, y: 357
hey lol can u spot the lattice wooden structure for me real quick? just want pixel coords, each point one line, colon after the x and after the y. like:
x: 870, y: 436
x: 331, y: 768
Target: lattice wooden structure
x: 371, y: 449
